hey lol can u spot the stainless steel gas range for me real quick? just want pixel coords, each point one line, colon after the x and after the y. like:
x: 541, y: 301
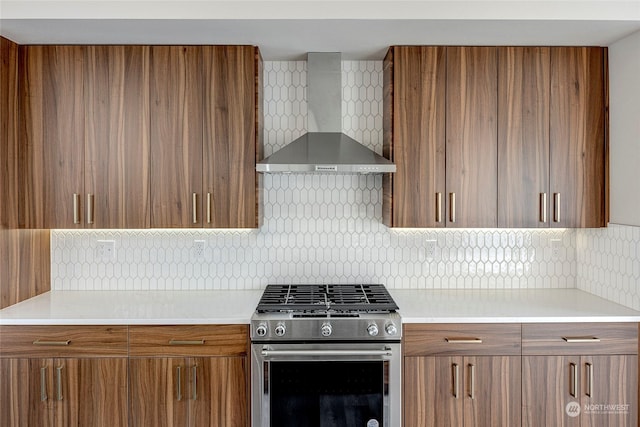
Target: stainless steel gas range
x: 326, y: 356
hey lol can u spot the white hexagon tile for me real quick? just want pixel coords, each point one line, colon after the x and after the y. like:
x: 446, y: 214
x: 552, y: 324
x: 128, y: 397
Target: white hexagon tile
x: 316, y: 228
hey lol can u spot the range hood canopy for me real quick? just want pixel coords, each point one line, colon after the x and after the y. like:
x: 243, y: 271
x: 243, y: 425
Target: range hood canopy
x: 325, y: 148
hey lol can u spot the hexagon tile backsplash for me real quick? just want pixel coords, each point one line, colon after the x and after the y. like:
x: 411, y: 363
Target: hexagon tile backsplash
x: 318, y: 228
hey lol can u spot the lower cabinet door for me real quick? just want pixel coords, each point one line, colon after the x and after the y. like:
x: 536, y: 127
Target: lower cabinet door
x: 609, y: 391
x: 26, y: 387
x: 433, y: 391
x: 492, y: 394
x: 158, y: 392
x: 218, y: 392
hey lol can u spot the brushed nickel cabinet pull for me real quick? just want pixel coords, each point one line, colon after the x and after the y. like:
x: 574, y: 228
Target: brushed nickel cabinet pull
x: 472, y: 381
x: 208, y: 208
x: 543, y: 207
x: 186, y: 342
x: 59, y: 382
x: 43, y: 384
x: 589, y: 379
x: 464, y: 340
x: 573, y: 380
x: 556, y: 207
x: 76, y: 208
x: 89, y: 208
x: 194, y: 207
x: 178, y: 383
x: 438, y: 207
x: 452, y: 207
x: 54, y: 343
x: 581, y: 339
x: 454, y: 377
x: 194, y: 386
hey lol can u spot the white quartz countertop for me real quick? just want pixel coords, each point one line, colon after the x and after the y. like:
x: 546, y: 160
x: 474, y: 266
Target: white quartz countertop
x: 133, y: 308
x: 508, y: 306
x: 229, y: 306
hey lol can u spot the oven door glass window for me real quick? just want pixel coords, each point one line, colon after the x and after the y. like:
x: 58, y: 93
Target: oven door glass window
x: 327, y: 394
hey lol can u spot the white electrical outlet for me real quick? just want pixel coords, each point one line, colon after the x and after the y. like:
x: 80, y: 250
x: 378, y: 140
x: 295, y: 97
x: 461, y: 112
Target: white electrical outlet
x: 430, y: 250
x: 106, y: 250
x: 556, y: 247
x: 197, y: 250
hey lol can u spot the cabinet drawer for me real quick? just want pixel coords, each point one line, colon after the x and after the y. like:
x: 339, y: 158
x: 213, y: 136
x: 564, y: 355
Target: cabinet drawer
x: 579, y: 338
x: 63, y: 341
x: 188, y: 340
x: 461, y: 339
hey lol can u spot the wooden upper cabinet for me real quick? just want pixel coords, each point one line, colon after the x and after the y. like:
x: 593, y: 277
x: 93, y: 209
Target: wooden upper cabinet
x: 176, y: 136
x: 471, y: 132
x: 116, y: 136
x: 230, y: 188
x: 415, y: 83
x: 52, y: 136
x: 577, y: 137
x: 205, y: 136
x: 523, y: 136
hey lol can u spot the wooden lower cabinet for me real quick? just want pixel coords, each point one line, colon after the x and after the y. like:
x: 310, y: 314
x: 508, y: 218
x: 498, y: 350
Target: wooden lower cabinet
x: 568, y: 391
x: 462, y: 391
x: 192, y: 391
x: 63, y: 392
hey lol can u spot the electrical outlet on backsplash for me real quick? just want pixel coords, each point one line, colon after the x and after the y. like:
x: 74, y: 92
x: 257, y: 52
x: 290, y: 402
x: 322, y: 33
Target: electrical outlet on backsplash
x: 324, y: 228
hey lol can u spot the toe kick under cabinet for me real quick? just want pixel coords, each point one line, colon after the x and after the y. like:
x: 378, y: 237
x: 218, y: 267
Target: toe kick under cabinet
x: 530, y: 375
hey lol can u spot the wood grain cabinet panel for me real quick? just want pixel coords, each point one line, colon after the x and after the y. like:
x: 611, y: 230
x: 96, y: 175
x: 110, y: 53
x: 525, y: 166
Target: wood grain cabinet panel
x: 577, y: 137
x: 9, y: 125
x: 523, y: 136
x: 116, y: 80
x: 472, y: 140
x: 52, y: 136
x: 415, y: 78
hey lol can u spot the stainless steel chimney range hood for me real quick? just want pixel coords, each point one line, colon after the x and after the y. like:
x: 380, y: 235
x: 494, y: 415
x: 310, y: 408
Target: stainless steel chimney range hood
x: 325, y: 149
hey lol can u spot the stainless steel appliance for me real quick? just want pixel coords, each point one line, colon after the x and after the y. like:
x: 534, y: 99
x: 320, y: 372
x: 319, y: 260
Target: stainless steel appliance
x: 326, y: 356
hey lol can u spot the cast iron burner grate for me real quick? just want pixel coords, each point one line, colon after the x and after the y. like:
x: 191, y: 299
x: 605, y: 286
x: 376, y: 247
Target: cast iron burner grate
x: 323, y: 298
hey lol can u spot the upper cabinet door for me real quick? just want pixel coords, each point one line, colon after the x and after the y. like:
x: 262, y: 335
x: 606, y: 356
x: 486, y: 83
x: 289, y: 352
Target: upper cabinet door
x: 9, y: 123
x: 117, y: 136
x: 577, y: 137
x: 176, y: 136
x: 230, y: 140
x: 523, y: 137
x: 415, y: 136
x: 472, y: 141
x: 51, y: 81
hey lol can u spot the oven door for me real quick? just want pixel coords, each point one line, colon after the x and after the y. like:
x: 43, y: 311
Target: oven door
x: 326, y: 384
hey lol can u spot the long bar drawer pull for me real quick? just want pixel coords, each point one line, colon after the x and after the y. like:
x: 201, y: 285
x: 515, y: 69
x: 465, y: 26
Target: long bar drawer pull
x: 456, y: 381
x: 387, y: 352
x: 56, y: 343
x: 186, y: 342
x: 464, y: 340
x: 573, y: 380
x: 59, y: 382
x: 581, y: 339
x: 43, y: 384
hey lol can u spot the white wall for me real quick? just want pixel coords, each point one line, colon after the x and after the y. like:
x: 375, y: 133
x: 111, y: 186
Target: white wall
x: 624, y: 116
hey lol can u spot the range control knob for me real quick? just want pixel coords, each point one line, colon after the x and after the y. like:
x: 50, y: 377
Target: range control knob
x: 261, y: 330
x: 326, y: 329
x: 280, y: 329
x: 372, y: 329
x: 391, y: 329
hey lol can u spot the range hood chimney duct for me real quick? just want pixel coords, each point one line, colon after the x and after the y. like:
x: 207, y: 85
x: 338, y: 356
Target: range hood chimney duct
x: 325, y: 148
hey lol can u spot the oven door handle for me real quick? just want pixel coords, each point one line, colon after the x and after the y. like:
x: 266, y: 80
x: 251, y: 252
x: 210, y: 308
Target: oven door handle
x: 385, y: 352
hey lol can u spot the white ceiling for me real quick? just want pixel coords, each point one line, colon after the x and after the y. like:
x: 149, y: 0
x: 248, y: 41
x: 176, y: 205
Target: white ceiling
x: 286, y: 30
